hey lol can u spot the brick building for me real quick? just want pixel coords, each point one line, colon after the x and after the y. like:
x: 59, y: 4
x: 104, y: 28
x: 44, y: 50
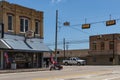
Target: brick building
x: 104, y: 49
x: 21, y: 37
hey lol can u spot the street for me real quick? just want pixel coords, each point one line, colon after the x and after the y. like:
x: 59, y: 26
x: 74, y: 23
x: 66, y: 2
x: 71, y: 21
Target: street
x: 69, y: 73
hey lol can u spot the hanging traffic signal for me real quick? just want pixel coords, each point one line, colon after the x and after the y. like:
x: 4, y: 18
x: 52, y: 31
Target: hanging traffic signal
x: 85, y: 26
x: 66, y: 23
x: 110, y: 22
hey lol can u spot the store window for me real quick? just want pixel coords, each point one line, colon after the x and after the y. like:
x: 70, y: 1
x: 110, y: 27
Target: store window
x: 37, y: 27
x: 10, y: 22
x: 24, y: 24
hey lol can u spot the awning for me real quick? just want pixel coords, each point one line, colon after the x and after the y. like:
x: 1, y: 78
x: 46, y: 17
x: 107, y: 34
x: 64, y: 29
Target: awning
x: 36, y: 44
x: 15, y: 44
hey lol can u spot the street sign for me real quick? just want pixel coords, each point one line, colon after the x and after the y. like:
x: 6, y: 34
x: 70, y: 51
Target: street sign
x: 1, y: 30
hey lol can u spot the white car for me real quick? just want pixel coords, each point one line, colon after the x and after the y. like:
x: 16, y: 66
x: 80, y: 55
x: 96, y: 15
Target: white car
x: 74, y: 61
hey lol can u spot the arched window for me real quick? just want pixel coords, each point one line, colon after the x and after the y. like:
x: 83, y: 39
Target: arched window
x: 37, y: 27
x: 24, y: 24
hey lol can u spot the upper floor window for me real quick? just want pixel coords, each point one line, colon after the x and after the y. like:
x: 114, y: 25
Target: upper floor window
x: 10, y: 22
x: 24, y: 24
x: 37, y: 27
x: 111, y: 45
x: 94, y: 46
x: 102, y: 45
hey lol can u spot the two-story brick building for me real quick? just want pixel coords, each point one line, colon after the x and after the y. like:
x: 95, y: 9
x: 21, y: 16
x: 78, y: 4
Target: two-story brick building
x: 104, y: 49
x: 21, y: 40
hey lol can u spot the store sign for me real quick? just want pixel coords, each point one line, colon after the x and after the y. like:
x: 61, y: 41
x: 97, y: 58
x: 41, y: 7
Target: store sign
x: 1, y: 30
x: 29, y: 34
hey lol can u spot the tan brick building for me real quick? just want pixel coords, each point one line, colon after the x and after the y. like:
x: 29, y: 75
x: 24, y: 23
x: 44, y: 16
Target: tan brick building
x: 104, y: 49
x: 22, y: 40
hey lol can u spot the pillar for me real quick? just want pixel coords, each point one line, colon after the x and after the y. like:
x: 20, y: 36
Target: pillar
x: 1, y: 60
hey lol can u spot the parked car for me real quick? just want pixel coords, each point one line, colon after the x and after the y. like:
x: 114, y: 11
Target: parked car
x: 74, y: 61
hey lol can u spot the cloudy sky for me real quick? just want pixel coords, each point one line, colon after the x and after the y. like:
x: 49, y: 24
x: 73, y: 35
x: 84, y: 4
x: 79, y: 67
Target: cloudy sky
x: 77, y: 12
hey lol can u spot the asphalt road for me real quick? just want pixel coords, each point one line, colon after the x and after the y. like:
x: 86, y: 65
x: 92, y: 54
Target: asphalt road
x: 69, y: 73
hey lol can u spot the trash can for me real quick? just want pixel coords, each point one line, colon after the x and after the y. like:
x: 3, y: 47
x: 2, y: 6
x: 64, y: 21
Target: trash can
x: 13, y: 66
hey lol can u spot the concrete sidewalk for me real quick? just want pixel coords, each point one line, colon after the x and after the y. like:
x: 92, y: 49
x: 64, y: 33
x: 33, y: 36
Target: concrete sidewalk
x: 23, y: 70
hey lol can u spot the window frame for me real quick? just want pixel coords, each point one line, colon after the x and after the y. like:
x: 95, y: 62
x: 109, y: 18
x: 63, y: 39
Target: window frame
x: 94, y: 46
x: 10, y: 23
x: 37, y: 27
x: 111, y: 45
x: 102, y: 45
x: 24, y: 26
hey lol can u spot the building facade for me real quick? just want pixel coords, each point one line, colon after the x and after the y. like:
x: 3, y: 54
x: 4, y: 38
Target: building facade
x: 21, y: 37
x: 104, y: 49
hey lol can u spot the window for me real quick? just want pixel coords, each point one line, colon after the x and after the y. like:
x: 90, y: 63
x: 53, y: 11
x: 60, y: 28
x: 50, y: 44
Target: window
x: 94, y: 46
x: 111, y: 45
x: 37, y: 27
x: 10, y: 22
x: 24, y: 23
x: 102, y: 45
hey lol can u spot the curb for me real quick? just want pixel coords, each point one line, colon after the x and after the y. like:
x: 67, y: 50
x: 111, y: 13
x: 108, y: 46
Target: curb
x: 23, y: 70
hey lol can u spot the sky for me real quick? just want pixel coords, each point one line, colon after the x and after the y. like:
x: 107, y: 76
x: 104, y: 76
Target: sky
x: 77, y: 12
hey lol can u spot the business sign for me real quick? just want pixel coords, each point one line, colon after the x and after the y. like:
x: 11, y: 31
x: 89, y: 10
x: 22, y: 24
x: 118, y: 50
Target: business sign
x: 1, y: 30
x: 29, y: 34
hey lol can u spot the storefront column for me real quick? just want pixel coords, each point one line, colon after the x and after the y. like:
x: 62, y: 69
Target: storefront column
x: 1, y: 60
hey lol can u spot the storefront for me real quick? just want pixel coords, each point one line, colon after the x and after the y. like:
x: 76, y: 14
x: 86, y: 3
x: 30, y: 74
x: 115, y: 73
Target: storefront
x: 25, y: 53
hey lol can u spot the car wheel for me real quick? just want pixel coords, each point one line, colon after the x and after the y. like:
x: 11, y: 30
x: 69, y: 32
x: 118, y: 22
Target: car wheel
x: 66, y: 63
x: 78, y: 64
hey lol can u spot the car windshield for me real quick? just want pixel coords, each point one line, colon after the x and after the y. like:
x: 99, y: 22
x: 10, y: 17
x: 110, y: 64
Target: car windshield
x: 78, y: 58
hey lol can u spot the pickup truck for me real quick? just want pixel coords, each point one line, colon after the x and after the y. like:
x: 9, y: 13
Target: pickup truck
x: 74, y: 61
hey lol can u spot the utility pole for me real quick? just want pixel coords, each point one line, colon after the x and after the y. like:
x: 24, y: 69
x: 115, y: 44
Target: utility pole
x: 56, y: 35
x: 113, y: 49
x: 64, y: 46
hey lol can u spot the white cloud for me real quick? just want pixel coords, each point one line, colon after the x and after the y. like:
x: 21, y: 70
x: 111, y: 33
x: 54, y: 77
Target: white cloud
x: 56, y: 1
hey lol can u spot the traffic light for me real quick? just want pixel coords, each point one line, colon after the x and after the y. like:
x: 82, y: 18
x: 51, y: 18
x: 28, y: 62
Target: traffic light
x: 66, y: 23
x: 110, y: 22
x: 85, y: 26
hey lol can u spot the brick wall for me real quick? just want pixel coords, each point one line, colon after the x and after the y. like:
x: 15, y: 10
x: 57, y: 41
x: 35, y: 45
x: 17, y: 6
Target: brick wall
x: 19, y: 11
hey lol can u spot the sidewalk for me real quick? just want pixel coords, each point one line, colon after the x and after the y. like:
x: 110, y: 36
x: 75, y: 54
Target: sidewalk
x: 23, y: 70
